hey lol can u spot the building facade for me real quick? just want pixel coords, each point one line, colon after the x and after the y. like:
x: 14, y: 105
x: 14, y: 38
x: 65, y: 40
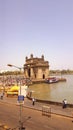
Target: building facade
x: 36, y: 68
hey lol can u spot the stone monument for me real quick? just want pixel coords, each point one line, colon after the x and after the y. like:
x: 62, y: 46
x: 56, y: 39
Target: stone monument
x: 36, y: 68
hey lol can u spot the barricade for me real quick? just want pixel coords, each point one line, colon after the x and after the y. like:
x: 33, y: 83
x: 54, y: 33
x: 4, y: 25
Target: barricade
x: 46, y: 111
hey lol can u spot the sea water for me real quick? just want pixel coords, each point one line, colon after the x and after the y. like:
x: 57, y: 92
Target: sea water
x: 54, y: 92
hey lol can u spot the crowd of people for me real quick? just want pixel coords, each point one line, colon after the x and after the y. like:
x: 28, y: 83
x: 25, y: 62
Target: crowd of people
x: 13, y: 79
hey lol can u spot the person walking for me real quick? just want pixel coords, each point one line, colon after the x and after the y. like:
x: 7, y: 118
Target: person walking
x: 33, y: 101
x: 64, y: 103
x: 1, y: 95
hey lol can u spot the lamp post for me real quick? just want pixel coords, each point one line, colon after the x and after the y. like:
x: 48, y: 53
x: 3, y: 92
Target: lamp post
x: 20, y: 114
x: 10, y: 65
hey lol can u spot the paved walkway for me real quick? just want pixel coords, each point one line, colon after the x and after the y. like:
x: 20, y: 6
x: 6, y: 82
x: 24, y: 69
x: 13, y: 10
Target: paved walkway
x: 55, y: 109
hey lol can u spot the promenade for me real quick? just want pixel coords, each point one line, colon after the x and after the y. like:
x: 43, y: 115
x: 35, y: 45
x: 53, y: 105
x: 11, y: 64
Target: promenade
x: 61, y: 119
x: 55, y: 109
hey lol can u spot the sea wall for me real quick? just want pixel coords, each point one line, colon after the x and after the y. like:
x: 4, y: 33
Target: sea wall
x: 50, y: 102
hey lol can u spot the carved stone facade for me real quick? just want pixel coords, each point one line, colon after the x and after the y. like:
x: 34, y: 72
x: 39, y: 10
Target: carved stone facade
x: 36, y: 68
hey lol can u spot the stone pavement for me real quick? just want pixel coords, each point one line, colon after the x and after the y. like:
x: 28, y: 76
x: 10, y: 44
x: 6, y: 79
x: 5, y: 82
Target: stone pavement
x: 55, y: 109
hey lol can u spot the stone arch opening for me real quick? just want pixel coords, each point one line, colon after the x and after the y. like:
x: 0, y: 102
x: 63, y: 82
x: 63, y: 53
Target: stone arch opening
x: 35, y: 76
x: 29, y: 73
x: 43, y: 76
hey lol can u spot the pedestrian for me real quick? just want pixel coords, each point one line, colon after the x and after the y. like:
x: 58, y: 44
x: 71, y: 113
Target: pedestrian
x: 64, y: 103
x: 1, y: 95
x: 33, y: 101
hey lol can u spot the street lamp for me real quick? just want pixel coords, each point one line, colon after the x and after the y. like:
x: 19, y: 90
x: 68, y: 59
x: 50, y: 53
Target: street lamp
x: 20, y: 121
x: 10, y: 65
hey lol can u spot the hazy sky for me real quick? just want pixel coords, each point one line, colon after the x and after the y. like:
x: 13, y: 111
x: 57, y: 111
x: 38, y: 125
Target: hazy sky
x: 37, y: 27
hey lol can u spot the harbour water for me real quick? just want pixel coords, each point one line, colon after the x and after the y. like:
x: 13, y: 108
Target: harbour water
x: 54, y: 92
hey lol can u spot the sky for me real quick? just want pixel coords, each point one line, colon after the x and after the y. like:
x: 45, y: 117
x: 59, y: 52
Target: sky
x: 36, y: 27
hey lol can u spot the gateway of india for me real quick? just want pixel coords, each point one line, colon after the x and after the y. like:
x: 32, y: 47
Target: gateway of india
x: 36, y: 68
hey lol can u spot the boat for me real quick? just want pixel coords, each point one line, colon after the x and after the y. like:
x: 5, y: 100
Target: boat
x: 52, y: 80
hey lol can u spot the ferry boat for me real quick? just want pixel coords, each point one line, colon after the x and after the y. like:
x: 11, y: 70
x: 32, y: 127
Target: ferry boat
x: 52, y: 80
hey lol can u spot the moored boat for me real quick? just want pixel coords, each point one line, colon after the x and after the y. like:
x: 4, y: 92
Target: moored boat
x: 52, y: 80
